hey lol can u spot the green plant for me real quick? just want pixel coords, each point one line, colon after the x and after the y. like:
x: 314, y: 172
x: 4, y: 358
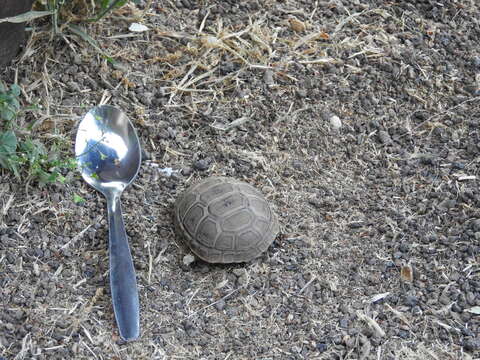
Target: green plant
x: 77, y: 199
x: 66, y: 14
x: 9, y: 107
x: 63, y: 10
x: 27, y: 158
x: 9, y: 104
x: 8, y: 150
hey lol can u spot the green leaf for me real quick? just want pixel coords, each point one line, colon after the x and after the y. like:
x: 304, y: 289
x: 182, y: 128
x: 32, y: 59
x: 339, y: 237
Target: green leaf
x: 71, y: 164
x: 8, y: 143
x: 15, y: 90
x: 13, y: 166
x: 78, y: 31
x: 30, y: 15
x: 14, y: 104
x: 4, y: 162
x: 104, y: 4
x: 61, y: 179
x: 7, y: 114
x: 52, y: 177
x: 43, y: 176
x: 33, y: 150
x: 77, y: 199
x: 113, y: 4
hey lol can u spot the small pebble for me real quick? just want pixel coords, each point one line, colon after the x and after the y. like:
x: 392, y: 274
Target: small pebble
x: 356, y: 225
x: 201, y: 165
x: 301, y: 93
x: 335, y: 122
x: 417, y: 310
x: 353, y: 331
x: 188, y: 259
x: 146, y: 155
x: 295, y: 349
x: 242, y: 280
x: 268, y: 77
x: 172, y: 132
x: 476, y: 224
x: 18, y: 314
x: 471, y: 298
x: 374, y: 124
x: 411, y: 301
x: 384, y: 137
x: 187, y: 324
x: 220, y: 305
x: 447, y: 204
x: 73, y: 86
x: 146, y: 98
x: 321, y: 347
x: 36, y: 269
x: 445, y: 300
x: 467, y: 332
x: 238, y: 272
x: 349, y: 341
x: 187, y: 171
x: 338, y: 340
x: 77, y: 59
x: 404, y: 248
x: 472, y: 344
x: 297, y: 164
x: 456, y: 308
x: 476, y: 61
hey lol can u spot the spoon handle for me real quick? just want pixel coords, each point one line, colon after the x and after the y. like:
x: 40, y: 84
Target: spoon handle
x: 123, y: 283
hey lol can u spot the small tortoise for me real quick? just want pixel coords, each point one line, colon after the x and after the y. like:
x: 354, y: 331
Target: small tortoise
x: 223, y: 220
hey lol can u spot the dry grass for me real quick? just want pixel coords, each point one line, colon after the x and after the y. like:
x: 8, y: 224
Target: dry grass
x: 182, y: 62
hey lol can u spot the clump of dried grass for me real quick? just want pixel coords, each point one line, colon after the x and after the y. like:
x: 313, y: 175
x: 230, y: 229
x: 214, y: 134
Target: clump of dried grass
x: 427, y: 352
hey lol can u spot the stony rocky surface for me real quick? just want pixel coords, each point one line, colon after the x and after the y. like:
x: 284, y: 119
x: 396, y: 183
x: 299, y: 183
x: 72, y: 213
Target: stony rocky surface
x: 360, y: 122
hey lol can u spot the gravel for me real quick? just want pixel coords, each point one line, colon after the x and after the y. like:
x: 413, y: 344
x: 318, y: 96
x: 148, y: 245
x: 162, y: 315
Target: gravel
x: 394, y: 187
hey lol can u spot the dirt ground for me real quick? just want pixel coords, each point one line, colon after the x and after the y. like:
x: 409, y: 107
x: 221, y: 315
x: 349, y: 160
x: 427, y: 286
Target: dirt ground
x: 358, y: 120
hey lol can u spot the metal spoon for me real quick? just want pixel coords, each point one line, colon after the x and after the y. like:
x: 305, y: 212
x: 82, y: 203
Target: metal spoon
x: 108, y: 154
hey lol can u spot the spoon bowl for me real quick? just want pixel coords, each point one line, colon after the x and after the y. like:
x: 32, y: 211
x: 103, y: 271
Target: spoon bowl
x: 107, y: 149
x: 109, y: 156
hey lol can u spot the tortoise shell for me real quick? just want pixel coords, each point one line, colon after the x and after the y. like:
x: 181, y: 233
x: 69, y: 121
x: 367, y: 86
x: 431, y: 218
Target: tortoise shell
x: 223, y: 220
